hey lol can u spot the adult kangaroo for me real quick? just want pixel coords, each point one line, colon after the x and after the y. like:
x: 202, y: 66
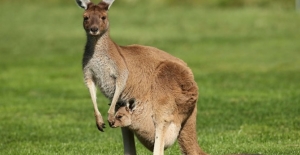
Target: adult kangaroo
x: 156, y: 80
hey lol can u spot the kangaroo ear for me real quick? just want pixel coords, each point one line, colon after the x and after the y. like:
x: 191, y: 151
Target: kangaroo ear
x: 131, y: 103
x: 109, y: 2
x: 128, y: 110
x: 83, y: 3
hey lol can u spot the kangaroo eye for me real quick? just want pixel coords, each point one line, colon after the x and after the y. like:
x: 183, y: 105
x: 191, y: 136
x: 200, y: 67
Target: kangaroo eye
x: 85, y: 18
x: 119, y: 117
x: 103, y: 17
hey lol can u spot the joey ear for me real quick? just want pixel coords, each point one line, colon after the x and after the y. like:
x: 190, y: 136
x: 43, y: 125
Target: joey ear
x: 83, y: 3
x: 109, y: 2
x: 128, y: 110
x: 131, y: 103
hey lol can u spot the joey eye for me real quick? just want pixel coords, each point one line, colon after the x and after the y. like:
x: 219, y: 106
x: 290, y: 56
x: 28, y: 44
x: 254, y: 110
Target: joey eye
x: 119, y: 117
x: 103, y: 17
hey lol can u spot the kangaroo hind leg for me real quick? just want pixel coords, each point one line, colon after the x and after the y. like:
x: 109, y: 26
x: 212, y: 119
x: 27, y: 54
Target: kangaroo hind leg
x: 187, y: 138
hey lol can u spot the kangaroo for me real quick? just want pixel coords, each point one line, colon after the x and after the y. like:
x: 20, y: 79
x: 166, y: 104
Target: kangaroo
x: 139, y: 119
x: 162, y: 85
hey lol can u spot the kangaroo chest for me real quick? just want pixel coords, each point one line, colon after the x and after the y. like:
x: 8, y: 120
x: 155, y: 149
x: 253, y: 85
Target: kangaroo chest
x: 103, y: 72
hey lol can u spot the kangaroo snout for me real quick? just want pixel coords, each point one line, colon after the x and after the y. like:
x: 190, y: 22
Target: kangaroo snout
x: 111, y: 124
x: 94, y: 30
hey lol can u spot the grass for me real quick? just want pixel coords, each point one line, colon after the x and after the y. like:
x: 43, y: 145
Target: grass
x: 246, y: 63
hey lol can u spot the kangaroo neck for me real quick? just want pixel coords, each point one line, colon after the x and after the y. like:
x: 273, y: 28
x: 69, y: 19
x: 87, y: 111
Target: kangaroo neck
x: 99, y: 44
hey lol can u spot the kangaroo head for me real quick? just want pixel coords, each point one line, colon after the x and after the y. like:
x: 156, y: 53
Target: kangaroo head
x: 123, y: 117
x: 95, y: 21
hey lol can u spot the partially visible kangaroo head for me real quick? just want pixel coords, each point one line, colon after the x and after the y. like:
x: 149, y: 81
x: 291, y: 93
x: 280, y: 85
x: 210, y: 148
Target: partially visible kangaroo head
x: 123, y: 117
x: 95, y: 21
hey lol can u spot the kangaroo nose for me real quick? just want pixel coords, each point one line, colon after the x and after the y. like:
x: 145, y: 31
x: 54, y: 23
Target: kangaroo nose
x: 111, y: 124
x: 94, y: 29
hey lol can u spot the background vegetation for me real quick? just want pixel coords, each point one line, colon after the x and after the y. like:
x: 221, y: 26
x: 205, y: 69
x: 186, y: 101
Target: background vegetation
x: 236, y: 3
x: 245, y: 56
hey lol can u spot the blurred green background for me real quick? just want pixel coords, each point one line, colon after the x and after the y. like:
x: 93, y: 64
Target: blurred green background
x: 245, y: 55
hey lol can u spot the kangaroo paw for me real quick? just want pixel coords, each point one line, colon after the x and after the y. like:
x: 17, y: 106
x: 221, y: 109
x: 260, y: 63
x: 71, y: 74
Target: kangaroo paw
x: 111, y: 120
x: 99, y: 123
x: 100, y: 126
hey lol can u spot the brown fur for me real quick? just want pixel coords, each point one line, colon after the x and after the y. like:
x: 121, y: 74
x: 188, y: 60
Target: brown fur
x: 182, y: 114
x: 163, y: 86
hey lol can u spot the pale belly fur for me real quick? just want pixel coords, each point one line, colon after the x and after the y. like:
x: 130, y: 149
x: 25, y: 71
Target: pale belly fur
x: 171, y: 134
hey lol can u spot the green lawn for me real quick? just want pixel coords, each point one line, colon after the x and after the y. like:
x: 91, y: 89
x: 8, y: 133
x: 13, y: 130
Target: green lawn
x: 246, y: 62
